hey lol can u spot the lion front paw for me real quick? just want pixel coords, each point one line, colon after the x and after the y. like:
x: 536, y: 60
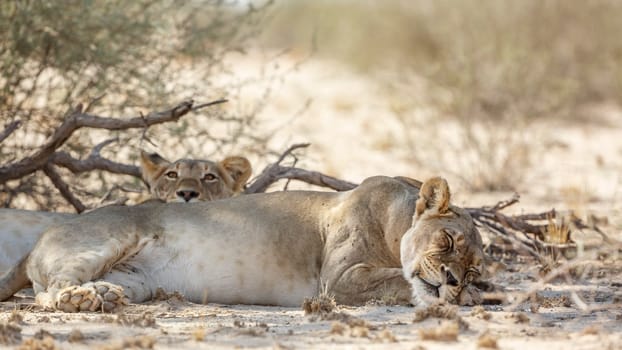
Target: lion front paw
x: 469, y: 296
x: 92, y: 296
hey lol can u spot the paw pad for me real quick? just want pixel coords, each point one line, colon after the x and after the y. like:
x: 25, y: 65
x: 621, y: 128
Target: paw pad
x: 92, y: 296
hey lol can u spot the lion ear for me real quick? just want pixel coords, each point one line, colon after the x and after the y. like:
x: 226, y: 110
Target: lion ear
x: 433, y: 197
x: 239, y: 168
x: 152, y: 165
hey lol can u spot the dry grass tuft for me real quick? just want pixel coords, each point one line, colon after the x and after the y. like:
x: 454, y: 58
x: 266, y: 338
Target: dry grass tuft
x: 441, y: 310
x: 162, y: 295
x: 42, y: 334
x: 16, y: 317
x: 487, y: 341
x: 591, y: 330
x: 146, y: 319
x: 321, y: 304
x: 75, y: 336
x: 10, y: 334
x: 553, y: 301
x: 520, y: 317
x: 557, y: 231
x: 357, y: 329
x: 255, y: 330
x: 199, y: 334
x: 386, y: 336
x: 479, y: 312
x: 46, y: 343
x: 446, y: 331
x: 138, y: 342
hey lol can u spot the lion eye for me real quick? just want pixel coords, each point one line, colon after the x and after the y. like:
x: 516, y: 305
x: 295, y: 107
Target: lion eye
x: 171, y: 174
x: 209, y: 177
x: 448, y: 243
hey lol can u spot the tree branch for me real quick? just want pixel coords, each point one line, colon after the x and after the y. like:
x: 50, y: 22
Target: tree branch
x: 94, y: 162
x: 63, y: 188
x: 9, y: 129
x: 77, y: 119
x: 275, y: 172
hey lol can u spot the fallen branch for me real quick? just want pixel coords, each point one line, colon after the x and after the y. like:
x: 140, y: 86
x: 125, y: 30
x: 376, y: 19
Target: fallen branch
x: 77, y: 119
x: 275, y: 172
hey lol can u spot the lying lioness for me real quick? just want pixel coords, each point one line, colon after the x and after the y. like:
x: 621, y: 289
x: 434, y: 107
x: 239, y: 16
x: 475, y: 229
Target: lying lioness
x: 185, y: 180
x: 273, y: 249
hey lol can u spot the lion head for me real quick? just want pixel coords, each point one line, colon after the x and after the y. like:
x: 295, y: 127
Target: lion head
x: 190, y: 180
x: 442, y: 252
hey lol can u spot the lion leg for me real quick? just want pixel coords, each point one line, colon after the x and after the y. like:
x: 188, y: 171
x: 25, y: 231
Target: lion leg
x: 70, y: 279
x: 115, y: 290
x: 137, y: 286
x: 362, y: 283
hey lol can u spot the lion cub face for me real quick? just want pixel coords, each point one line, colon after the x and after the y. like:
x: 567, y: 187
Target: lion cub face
x: 442, y: 252
x: 190, y: 180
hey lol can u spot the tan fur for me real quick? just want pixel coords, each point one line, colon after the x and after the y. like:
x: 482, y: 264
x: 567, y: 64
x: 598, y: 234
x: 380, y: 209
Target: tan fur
x: 188, y: 180
x: 449, y: 256
x: 274, y: 248
x: 20, y: 229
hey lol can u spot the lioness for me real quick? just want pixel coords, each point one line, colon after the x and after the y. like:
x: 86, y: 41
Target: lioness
x: 273, y: 248
x: 185, y: 180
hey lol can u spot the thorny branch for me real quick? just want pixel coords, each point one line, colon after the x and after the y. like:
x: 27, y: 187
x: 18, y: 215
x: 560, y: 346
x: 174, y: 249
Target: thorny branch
x: 76, y: 119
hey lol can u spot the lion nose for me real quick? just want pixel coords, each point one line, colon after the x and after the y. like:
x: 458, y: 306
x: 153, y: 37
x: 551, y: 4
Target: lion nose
x: 187, y: 195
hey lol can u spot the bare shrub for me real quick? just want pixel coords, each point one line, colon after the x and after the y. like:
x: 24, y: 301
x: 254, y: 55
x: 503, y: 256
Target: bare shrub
x: 117, y: 58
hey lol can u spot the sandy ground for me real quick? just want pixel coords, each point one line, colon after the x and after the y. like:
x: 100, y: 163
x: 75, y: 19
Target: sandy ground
x: 575, y: 166
x: 550, y: 321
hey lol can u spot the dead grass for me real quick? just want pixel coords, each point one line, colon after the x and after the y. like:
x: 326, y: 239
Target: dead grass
x: 487, y: 341
x: 10, y: 334
x: 199, y: 334
x: 479, y: 312
x: 140, y: 342
x: 520, y: 317
x: 446, y: 331
x: 354, y: 331
x: 46, y: 343
x: 321, y: 304
x: 16, y: 317
x: 440, y: 310
x: 145, y: 319
x: 553, y: 301
x: 557, y: 231
x: 75, y: 336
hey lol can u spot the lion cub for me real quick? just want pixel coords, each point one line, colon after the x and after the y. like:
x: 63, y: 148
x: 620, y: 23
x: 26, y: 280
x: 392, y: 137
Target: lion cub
x: 184, y: 180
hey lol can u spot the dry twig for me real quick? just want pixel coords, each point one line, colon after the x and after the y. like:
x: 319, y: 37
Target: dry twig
x: 94, y: 162
x: 63, y: 188
x: 9, y: 129
x: 275, y: 172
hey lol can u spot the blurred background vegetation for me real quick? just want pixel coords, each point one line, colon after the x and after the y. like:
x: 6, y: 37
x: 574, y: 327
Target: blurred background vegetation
x: 481, y: 71
x: 495, y: 58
